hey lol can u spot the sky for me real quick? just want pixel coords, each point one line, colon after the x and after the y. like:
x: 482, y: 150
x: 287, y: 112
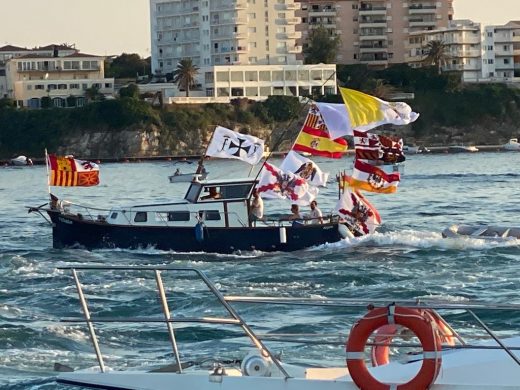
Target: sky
x: 112, y: 27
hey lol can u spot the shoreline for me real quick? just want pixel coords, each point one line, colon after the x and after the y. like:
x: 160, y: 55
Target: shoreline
x: 432, y: 150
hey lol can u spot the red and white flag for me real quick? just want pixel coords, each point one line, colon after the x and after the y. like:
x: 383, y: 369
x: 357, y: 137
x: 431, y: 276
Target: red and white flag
x: 373, y: 179
x: 369, y: 146
x: 355, y: 209
x: 305, y: 168
x: 278, y: 184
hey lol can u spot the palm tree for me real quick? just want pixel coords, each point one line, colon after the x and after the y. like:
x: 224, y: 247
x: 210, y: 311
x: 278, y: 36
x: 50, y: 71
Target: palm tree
x: 184, y: 75
x: 436, y: 54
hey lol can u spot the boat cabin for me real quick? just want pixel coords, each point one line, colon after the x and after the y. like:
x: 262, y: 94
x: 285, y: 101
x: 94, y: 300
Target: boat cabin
x: 216, y: 203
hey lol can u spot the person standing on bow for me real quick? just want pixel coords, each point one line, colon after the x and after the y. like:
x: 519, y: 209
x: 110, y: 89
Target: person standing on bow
x: 257, y: 207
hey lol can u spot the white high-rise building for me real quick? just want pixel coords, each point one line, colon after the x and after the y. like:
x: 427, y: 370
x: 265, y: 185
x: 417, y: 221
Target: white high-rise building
x: 243, y: 48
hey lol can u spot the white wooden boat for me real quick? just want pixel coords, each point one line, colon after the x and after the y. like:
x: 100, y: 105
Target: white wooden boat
x: 512, y: 145
x: 448, y: 361
x: 485, y: 232
x: 187, y: 177
x: 21, y: 161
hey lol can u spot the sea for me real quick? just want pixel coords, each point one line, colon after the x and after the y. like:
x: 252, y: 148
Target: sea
x: 407, y: 258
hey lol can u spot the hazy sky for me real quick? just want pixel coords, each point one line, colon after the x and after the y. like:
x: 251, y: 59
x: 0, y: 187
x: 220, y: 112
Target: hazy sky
x: 115, y: 26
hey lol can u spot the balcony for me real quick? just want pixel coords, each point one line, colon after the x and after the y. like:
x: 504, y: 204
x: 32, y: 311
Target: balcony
x: 420, y: 22
x: 372, y: 9
x: 294, y: 50
x: 372, y: 23
x: 291, y: 21
x: 322, y: 12
x: 373, y: 36
x: 419, y: 9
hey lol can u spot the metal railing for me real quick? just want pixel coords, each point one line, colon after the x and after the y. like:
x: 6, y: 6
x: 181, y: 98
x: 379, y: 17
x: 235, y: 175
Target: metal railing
x: 258, y: 339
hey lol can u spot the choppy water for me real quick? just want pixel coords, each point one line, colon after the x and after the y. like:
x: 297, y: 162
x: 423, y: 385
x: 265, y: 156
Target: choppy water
x: 406, y: 258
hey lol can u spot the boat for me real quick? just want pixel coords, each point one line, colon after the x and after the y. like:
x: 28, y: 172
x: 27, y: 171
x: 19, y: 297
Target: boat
x: 462, y: 149
x: 440, y: 356
x: 413, y: 149
x: 214, y: 216
x: 187, y: 177
x: 21, y: 161
x: 512, y: 144
x: 485, y: 232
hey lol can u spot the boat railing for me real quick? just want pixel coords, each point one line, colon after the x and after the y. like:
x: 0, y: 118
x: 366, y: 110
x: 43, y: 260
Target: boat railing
x: 258, y: 340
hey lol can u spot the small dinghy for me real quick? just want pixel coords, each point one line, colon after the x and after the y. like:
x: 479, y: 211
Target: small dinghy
x: 486, y: 232
x: 187, y: 177
x: 21, y: 161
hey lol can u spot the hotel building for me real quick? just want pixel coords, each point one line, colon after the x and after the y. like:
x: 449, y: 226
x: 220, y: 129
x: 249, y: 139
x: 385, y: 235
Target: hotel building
x: 243, y: 48
x: 373, y: 32
x: 481, y: 54
x: 60, y: 73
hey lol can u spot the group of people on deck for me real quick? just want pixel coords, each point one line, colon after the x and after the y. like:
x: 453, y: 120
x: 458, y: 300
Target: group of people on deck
x: 315, y: 216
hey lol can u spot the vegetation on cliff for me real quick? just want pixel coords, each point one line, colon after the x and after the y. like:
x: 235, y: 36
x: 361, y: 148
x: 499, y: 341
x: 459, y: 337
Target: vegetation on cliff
x: 450, y: 113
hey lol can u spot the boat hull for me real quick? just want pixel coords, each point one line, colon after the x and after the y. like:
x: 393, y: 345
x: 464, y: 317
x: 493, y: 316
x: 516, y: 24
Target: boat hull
x: 73, y: 230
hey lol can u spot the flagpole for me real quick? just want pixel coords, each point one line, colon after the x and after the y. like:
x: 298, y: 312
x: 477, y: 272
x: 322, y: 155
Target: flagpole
x: 201, y: 161
x: 48, y: 173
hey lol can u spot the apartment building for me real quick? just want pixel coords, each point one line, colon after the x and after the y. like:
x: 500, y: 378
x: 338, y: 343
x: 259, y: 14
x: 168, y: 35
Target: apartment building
x: 480, y: 54
x: 373, y: 32
x: 62, y: 74
x: 244, y: 48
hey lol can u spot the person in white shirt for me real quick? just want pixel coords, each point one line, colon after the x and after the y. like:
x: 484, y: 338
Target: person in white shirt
x: 315, y: 215
x: 257, y: 207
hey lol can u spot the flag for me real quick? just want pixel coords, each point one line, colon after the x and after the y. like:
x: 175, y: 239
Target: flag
x: 315, y: 139
x: 378, y: 147
x: 278, y: 184
x: 355, y: 209
x: 336, y: 118
x: 366, y: 112
x: 226, y: 143
x: 67, y: 171
x: 374, y: 179
x: 305, y: 168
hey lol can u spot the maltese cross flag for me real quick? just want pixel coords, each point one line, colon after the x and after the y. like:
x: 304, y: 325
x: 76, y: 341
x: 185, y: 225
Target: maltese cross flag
x: 230, y: 144
x: 278, y: 184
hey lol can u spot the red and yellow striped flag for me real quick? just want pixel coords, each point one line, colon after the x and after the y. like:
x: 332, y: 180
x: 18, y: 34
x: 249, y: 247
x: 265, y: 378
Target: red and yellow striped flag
x: 67, y: 172
x: 314, y: 138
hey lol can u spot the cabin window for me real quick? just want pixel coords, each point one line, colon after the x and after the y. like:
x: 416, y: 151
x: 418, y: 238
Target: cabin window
x: 193, y: 191
x: 141, y: 216
x: 210, y: 215
x: 236, y: 191
x: 178, y: 216
x: 113, y: 216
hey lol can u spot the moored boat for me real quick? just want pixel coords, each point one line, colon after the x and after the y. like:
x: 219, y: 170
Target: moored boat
x: 214, y: 216
x: 512, y: 145
x: 187, y: 177
x: 21, y: 161
x: 442, y: 357
x: 485, y: 232
x: 462, y: 149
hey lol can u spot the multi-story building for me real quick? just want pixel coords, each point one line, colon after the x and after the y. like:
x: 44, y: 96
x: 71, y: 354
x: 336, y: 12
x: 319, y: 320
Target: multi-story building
x: 60, y: 73
x: 244, y: 48
x: 480, y: 54
x: 373, y: 32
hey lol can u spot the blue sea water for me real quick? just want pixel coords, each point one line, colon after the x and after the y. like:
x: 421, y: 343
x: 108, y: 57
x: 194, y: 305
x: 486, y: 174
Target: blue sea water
x: 406, y: 258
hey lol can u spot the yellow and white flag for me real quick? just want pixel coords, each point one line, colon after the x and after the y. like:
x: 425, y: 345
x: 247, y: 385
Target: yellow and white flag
x: 364, y: 112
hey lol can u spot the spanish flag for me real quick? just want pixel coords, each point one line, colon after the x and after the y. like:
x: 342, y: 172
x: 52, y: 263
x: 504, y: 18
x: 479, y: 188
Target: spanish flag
x: 67, y: 172
x: 315, y: 139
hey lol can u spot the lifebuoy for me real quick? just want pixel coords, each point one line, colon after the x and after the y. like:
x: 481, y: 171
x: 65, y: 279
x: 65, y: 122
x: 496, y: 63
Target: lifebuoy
x: 380, y: 353
x: 421, y: 325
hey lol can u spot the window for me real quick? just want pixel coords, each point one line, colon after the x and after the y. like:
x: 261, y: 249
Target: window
x: 141, y: 216
x: 113, y: 216
x: 210, y: 215
x: 178, y: 216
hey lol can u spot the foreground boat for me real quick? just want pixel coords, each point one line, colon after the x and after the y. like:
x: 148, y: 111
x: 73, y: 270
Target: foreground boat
x: 214, y: 216
x: 485, y: 232
x: 446, y: 360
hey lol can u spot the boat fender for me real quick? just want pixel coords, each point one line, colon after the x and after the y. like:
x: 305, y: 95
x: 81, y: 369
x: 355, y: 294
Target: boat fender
x: 256, y: 365
x: 283, y: 235
x: 345, y: 231
x: 421, y: 325
x: 199, y: 231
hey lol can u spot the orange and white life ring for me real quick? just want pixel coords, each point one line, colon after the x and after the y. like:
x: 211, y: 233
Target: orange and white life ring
x: 421, y: 325
x: 380, y: 352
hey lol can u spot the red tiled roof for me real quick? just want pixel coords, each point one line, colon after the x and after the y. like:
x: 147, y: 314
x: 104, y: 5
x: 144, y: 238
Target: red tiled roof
x: 13, y: 48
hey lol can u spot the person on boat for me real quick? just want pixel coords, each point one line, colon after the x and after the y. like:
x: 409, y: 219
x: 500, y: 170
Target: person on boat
x: 213, y: 194
x: 257, y: 207
x: 177, y: 172
x: 201, y: 169
x: 315, y: 215
x: 294, y: 216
